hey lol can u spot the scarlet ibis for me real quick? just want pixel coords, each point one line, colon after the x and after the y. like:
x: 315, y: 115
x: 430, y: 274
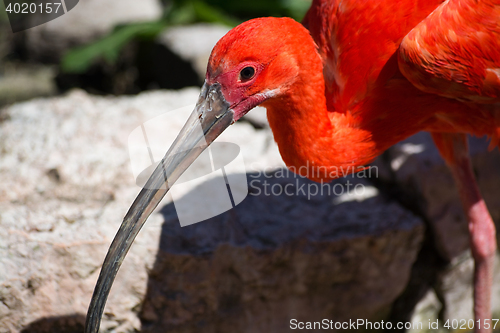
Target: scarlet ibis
x: 355, y: 78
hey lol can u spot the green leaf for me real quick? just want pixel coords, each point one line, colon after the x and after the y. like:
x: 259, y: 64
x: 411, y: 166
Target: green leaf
x: 207, y: 13
x: 78, y: 60
x: 297, y: 8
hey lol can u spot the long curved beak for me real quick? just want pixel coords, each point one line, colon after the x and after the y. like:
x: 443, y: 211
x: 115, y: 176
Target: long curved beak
x: 209, y: 119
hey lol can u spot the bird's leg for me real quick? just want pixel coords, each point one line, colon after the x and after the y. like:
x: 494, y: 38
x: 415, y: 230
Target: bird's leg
x: 454, y: 149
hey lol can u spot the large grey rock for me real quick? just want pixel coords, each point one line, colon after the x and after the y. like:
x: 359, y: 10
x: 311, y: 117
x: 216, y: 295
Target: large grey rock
x: 67, y: 183
x: 277, y: 258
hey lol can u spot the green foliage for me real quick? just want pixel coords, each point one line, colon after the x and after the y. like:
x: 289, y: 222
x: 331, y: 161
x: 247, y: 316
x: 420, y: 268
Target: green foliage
x: 178, y: 12
x: 3, y: 14
x: 259, y: 8
x: 79, y: 59
x: 297, y: 8
x: 187, y: 12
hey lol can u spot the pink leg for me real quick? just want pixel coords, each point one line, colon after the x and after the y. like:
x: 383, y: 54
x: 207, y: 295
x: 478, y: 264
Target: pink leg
x: 454, y: 149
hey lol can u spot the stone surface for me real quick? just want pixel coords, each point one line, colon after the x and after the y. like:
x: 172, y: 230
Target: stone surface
x: 455, y: 289
x: 277, y: 258
x: 426, y: 183
x: 67, y: 183
x: 24, y: 81
x: 67, y: 186
x: 450, y: 300
x: 426, y: 310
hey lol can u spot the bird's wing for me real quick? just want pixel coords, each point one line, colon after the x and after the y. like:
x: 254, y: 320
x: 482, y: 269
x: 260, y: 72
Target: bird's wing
x: 455, y: 51
x: 356, y: 40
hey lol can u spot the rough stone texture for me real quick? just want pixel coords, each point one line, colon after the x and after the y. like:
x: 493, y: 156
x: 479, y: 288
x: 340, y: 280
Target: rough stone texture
x: 454, y: 286
x: 66, y: 184
x: 450, y: 298
x: 427, y: 310
x: 424, y: 179
x: 424, y: 182
x: 272, y: 259
x: 89, y: 20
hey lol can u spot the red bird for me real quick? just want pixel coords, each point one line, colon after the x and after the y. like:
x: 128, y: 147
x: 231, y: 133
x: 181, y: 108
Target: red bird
x: 354, y: 79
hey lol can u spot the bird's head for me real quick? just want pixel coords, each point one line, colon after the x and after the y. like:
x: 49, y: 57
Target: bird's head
x: 254, y: 63
x: 257, y: 61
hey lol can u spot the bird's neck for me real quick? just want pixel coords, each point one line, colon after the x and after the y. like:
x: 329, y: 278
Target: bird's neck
x: 317, y: 143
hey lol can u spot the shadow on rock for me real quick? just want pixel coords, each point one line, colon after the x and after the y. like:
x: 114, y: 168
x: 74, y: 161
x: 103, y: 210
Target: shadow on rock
x: 292, y: 250
x: 57, y: 324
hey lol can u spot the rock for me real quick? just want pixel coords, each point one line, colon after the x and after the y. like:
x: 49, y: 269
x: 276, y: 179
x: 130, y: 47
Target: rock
x: 426, y: 184
x: 19, y: 83
x: 277, y: 258
x: 67, y: 183
x: 426, y: 311
x: 193, y: 43
x: 455, y: 285
x: 451, y: 300
x: 67, y: 187
x: 89, y: 20
x: 455, y: 289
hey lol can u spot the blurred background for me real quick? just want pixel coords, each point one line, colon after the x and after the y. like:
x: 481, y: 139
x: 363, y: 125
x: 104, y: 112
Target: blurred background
x: 123, y: 47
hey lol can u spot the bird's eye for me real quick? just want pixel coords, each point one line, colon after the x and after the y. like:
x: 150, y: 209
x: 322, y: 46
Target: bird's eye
x: 247, y: 73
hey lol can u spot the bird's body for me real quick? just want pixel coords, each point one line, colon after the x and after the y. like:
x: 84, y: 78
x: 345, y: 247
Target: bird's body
x: 368, y: 74
x: 369, y: 104
x: 357, y: 77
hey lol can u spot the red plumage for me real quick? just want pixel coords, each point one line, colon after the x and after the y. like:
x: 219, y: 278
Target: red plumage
x: 374, y: 73
x: 352, y: 101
